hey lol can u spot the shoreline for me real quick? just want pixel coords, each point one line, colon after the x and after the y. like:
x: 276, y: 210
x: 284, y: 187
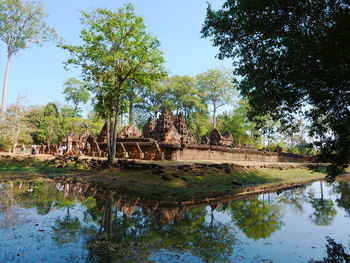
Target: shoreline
x: 167, y: 180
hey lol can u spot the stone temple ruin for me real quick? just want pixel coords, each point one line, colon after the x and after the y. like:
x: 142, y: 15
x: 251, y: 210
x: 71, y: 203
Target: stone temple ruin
x: 168, y: 138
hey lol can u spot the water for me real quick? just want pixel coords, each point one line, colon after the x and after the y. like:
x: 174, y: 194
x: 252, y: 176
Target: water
x: 90, y: 222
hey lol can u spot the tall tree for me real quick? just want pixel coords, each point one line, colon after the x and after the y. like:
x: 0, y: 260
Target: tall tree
x: 155, y: 96
x: 292, y: 54
x: 133, y: 91
x: 218, y: 88
x: 116, y: 48
x: 183, y: 95
x: 76, y: 92
x: 15, y: 127
x: 21, y: 25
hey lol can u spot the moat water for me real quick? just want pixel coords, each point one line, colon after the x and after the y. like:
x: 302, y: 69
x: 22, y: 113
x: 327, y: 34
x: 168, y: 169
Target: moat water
x: 83, y: 222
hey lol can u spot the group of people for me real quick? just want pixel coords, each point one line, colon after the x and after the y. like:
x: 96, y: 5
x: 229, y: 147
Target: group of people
x: 23, y: 149
x: 61, y: 150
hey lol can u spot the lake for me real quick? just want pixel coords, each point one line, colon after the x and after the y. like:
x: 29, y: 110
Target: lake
x: 69, y: 221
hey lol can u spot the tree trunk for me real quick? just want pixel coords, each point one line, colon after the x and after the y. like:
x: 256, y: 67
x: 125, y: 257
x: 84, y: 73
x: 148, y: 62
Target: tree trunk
x: 131, y: 114
x: 68, y: 212
x: 108, y: 214
x: 76, y: 110
x: 111, y: 145
x: 113, y: 132
x: 214, y: 116
x: 5, y: 84
x: 14, y: 147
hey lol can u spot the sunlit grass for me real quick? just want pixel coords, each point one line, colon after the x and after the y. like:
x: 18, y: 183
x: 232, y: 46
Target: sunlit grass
x: 170, y: 183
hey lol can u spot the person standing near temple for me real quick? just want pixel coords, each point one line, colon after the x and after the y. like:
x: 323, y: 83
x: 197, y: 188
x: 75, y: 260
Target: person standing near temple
x: 33, y: 149
x: 23, y: 148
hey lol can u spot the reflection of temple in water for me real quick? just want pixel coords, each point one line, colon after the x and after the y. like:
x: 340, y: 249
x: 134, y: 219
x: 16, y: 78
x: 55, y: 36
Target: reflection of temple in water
x: 164, y: 212
x: 119, y: 202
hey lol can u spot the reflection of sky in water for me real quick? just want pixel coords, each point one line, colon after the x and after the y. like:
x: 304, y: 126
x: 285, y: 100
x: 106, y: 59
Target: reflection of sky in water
x: 31, y: 239
x: 30, y: 236
x: 299, y: 239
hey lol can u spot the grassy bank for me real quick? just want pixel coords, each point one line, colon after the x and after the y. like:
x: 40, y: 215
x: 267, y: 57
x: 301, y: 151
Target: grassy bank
x: 160, y: 179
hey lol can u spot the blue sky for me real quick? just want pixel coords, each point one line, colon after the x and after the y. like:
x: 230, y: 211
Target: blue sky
x: 38, y: 72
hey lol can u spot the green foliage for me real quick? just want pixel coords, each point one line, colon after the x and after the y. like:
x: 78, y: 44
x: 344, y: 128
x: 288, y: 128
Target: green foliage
x: 5, y: 142
x: 22, y: 24
x: 291, y: 55
x: 343, y: 188
x: 68, y: 112
x: 336, y: 253
x: 51, y: 110
x: 76, y: 92
x: 116, y: 48
x: 132, y: 91
x: 42, y: 198
x: 95, y: 123
x: 256, y: 218
x: 217, y: 87
x: 66, y: 230
x: 155, y: 96
x: 51, y: 124
x: 15, y: 127
x: 238, y: 124
x: 324, y: 210
x: 198, y: 122
x: 184, y: 96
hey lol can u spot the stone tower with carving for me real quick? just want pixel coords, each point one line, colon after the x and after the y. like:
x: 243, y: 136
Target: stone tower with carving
x: 148, y: 129
x: 186, y: 136
x: 163, y: 124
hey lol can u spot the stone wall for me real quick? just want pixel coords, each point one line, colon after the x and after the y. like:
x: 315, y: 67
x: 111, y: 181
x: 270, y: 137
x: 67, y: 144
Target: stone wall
x: 220, y: 153
x: 162, y: 151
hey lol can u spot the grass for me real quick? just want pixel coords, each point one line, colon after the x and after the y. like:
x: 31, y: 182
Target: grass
x: 171, y: 183
x: 214, y: 183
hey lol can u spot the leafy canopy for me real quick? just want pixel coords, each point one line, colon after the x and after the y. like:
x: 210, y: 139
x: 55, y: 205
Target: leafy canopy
x: 116, y: 48
x: 218, y: 88
x: 76, y: 92
x: 293, y: 58
x: 22, y: 24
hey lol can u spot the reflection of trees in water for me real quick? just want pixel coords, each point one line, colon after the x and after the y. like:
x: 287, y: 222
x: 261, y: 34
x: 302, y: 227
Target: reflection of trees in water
x: 336, y: 253
x: 343, y: 188
x: 324, y: 210
x: 42, y: 197
x: 66, y: 229
x: 125, y: 229
x: 8, y: 214
x: 115, y: 237
x: 39, y: 195
x: 134, y: 237
x: 256, y: 218
x: 295, y: 197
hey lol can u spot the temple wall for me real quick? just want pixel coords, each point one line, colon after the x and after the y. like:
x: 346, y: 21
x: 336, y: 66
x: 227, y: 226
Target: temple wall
x: 216, y: 155
x: 219, y: 153
x: 198, y: 152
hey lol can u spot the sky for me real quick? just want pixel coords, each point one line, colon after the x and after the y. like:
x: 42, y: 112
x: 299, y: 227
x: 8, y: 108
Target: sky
x: 38, y: 73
